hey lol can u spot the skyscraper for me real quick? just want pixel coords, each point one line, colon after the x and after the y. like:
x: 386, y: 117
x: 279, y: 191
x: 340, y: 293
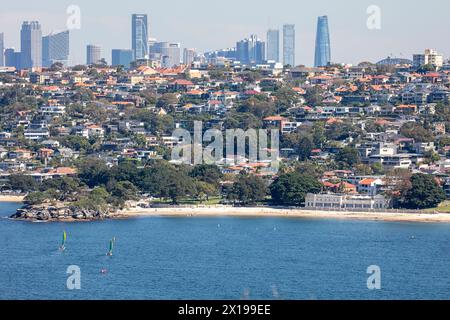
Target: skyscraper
x: 273, y: 45
x: 93, y: 54
x: 323, y: 47
x: 2, y: 49
x: 12, y: 58
x: 251, y: 51
x: 31, y: 45
x: 168, y: 52
x: 289, y: 45
x: 189, y: 56
x: 55, y: 48
x: 139, y: 36
x: 122, y: 57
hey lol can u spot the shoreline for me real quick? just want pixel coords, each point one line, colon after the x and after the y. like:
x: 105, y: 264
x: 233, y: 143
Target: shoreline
x: 267, y: 212
x: 11, y: 198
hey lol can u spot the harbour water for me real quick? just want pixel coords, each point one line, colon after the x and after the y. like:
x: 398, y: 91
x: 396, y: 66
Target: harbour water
x: 224, y: 258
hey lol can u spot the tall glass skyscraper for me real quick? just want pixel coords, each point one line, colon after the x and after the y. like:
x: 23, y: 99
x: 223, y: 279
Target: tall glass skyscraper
x: 93, y: 54
x: 139, y: 36
x: 289, y: 45
x: 323, y: 47
x: 2, y: 49
x: 31, y: 45
x: 55, y: 48
x: 273, y: 45
x: 251, y: 51
x: 122, y: 57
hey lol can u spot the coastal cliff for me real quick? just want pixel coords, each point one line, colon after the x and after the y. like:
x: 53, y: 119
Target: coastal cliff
x: 61, y: 213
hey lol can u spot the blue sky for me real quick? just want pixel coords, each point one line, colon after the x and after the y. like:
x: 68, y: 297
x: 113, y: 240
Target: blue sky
x: 407, y: 26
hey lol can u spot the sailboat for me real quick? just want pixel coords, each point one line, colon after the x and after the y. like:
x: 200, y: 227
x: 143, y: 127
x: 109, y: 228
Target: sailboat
x: 63, y: 242
x: 111, y: 247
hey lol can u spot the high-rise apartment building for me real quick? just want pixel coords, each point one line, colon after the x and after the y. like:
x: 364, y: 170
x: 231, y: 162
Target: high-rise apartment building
x: 31, y: 45
x: 289, y: 45
x: 55, y: 48
x: 323, y: 46
x: 188, y: 56
x: 93, y: 54
x: 139, y: 36
x: 169, y: 53
x: 2, y: 50
x: 251, y: 51
x: 429, y: 57
x: 12, y: 58
x: 122, y: 57
x: 273, y: 45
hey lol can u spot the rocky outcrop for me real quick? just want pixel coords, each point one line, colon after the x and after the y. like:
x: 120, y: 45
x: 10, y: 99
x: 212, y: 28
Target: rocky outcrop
x: 60, y: 213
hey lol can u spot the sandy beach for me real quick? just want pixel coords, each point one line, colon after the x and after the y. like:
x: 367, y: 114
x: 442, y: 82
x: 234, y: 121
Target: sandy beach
x: 223, y: 211
x: 11, y: 198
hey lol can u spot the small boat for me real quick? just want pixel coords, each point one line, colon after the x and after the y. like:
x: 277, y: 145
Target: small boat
x: 111, y: 247
x: 63, y: 242
x: 103, y: 271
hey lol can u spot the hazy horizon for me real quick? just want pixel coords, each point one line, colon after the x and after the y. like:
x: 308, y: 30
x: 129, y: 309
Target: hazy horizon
x: 405, y: 29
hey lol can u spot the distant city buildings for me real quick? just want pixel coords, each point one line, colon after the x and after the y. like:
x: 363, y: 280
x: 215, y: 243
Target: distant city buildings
x: 55, y: 48
x: 122, y: 57
x: 250, y: 51
x: 31, y: 45
x: 289, y: 45
x: 169, y: 53
x: 323, y: 46
x: 273, y: 45
x: 2, y: 49
x: 189, y: 56
x: 139, y: 36
x: 93, y: 54
x: 430, y: 57
x: 12, y: 58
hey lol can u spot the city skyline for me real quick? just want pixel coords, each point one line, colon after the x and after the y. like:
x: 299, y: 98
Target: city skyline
x: 394, y: 39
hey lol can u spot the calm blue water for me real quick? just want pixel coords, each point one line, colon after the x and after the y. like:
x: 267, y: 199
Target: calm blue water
x: 221, y: 258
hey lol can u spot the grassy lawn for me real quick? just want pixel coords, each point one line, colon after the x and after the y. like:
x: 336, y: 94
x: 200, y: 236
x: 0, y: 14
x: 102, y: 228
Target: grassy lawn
x: 444, y: 207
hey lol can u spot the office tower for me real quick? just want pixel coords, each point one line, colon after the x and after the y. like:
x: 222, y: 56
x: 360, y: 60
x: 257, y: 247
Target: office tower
x: 31, y: 45
x: 139, y: 36
x: 55, y: 48
x: 289, y: 45
x: 2, y: 49
x: 12, y: 58
x: 93, y: 54
x: 251, y: 51
x: 122, y: 57
x: 189, y: 56
x: 169, y: 53
x: 323, y: 47
x: 273, y: 45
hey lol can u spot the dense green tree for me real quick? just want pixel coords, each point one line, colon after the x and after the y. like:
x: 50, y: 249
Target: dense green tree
x: 93, y: 172
x: 248, y: 189
x: 348, y: 157
x: 425, y: 193
x: 304, y: 148
x: 207, y: 173
x: 23, y: 183
x: 290, y: 189
x: 417, y: 132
